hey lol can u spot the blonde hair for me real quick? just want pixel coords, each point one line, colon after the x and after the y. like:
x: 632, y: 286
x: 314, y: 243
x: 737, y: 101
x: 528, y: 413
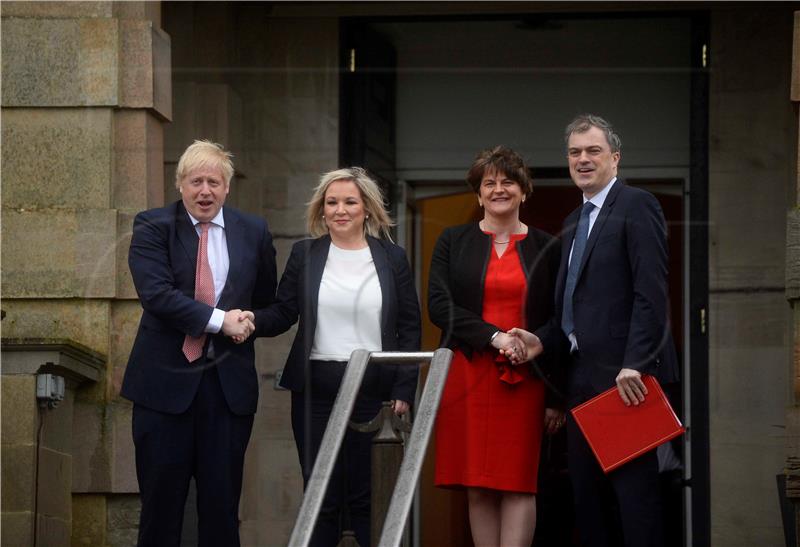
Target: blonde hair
x: 378, y: 222
x: 204, y: 153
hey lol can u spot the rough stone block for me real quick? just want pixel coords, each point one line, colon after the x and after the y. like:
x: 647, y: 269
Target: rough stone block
x: 272, y: 420
x: 19, y: 461
x: 91, y: 449
x: 19, y: 411
x: 57, y: 423
x: 272, y: 484
x: 124, y: 324
x: 55, y: 484
x: 89, y: 522
x: 57, y: 158
x: 125, y: 286
x: 123, y: 520
x: 60, y: 62
x: 795, y: 94
x: 145, y: 68
x: 17, y: 528
x: 123, y: 457
x: 59, y: 10
x: 53, y: 530
x: 148, y: 10
x: 59, y: 253
x: 84, y: 321
x: 206, y: 111
x: 755, y: 257
x: 139, y: 159
x: 793, y: 254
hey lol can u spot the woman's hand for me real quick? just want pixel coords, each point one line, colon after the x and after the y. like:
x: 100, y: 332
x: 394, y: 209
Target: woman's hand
x: 510, y: 346
x: 554, y: 420
x: 531, y: 346
x: 400, y: 407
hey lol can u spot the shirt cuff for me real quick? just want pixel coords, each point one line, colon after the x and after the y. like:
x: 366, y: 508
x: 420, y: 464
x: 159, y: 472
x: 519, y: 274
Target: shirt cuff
x: 215, y: 323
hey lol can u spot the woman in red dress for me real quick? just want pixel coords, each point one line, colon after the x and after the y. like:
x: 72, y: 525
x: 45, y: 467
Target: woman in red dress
x: 486, y: 279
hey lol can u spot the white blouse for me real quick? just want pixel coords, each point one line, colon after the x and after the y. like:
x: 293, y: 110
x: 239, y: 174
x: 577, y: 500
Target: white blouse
x: 349, y: 306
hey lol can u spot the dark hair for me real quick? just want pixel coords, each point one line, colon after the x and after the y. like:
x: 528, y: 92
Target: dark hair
x: 501, y: 160
x: 584, y: 122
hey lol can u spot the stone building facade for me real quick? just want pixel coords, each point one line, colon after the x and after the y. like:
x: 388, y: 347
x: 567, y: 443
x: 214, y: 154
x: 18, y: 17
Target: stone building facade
x: 99, y: 99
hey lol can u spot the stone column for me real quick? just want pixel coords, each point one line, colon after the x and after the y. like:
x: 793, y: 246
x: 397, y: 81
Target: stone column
x: 87, y: 90
x: 37, y: 439
x: 793, y: 296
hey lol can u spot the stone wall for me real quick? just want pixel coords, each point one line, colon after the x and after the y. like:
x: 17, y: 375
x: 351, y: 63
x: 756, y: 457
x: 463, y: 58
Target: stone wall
x: 751, y: 156
x: 86, y: 92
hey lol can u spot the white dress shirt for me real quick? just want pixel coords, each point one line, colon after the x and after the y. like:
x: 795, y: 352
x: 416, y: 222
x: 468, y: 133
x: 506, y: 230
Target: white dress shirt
x: 219, y: 262
x: 598, y: 200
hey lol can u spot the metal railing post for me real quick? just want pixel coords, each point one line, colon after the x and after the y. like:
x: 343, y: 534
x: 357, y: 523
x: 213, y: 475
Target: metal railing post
x: 335, y: 431
x: 399, y: 507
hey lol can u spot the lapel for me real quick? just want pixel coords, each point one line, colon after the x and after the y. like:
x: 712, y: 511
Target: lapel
x: 318, y: 255
x: 386, y: 280
x: 234, y: 241
x: 602, y: 216
x: 187, y: 235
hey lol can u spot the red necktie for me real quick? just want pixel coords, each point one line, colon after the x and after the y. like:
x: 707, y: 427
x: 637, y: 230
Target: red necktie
x: 203, y: 292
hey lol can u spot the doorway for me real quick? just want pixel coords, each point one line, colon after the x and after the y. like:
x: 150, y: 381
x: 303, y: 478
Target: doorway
x: 467, y: 83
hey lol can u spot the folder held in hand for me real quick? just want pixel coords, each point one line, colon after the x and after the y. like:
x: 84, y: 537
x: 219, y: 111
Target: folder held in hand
x: 617, y: 433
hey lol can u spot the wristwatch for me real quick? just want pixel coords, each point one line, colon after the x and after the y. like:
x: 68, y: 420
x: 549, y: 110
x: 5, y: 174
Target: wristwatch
x: 491, y: 340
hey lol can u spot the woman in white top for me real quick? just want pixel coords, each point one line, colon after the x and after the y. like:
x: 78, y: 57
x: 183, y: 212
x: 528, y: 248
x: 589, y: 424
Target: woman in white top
x: 351, y: 288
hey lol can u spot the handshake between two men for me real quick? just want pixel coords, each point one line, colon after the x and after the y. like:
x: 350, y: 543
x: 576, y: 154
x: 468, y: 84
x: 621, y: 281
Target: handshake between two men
x: 238, y: 325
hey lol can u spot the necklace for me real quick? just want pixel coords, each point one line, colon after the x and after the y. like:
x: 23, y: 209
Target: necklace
x: 519, y: 228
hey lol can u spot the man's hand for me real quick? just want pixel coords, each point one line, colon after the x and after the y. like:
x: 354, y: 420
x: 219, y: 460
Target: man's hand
x: 630, y: 386
x: 238, y: 324
x: 554, y: 420
x: 528, y: 344
x: 400, y: 407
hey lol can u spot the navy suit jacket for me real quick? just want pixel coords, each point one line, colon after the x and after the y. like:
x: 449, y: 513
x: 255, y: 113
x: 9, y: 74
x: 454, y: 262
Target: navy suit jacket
x: 298, y: 296
x: 162, y: 259
x: 620, y: 303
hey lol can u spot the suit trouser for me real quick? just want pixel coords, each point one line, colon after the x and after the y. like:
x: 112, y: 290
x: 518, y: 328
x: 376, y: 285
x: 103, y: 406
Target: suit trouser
x: 206, y: 442
x: 349, y: 487
x: 635, y: 485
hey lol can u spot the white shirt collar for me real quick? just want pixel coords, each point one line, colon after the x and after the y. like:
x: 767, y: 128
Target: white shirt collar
x: 219, y: 220
x: 600, y: 197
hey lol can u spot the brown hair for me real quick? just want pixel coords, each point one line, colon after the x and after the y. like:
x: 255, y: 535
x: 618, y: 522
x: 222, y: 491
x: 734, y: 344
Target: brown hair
x: 499, y: 159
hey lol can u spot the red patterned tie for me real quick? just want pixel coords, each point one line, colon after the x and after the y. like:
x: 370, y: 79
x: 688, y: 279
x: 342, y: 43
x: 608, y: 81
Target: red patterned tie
x: 203, y: 292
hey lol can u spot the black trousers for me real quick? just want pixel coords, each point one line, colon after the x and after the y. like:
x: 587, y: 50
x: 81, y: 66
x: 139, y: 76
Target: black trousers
x: 628, y: 498
x: 348, y: 493
x: 206, y: 442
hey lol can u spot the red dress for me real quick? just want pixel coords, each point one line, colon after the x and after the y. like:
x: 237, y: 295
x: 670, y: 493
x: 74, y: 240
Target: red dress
x: 489, y: 430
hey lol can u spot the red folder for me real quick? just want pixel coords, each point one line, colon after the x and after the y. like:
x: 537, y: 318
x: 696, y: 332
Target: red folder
x: 618, y: 433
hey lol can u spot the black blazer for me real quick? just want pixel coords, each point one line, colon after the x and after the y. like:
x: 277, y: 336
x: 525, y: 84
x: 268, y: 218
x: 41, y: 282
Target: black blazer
x: 620, y: 303
x: 298, y: 295
x: 455, y: 293
x: 162, y: 260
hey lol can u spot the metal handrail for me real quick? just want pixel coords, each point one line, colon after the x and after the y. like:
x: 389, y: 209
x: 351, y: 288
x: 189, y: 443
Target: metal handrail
x: 334, y: 434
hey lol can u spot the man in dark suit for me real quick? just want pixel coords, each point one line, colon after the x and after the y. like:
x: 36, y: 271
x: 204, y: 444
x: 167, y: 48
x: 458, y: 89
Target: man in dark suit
x: 199, y: 270
x: 612, y: 317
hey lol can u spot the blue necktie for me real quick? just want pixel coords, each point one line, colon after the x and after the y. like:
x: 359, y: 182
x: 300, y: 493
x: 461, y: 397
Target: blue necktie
x: 581, y: 235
